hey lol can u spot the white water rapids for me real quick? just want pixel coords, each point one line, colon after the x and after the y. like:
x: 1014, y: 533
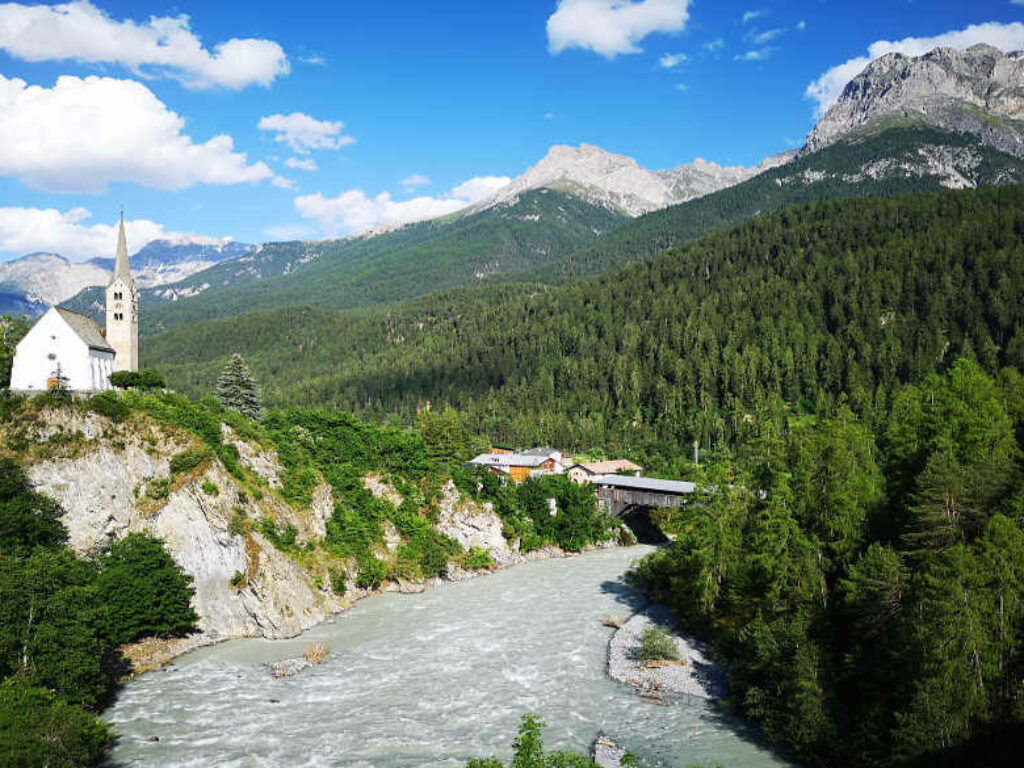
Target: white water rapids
x: 427, y: 680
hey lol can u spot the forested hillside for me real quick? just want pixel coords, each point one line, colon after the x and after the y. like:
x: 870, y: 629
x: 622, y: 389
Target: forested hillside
x: 539, y: 228
x: 830, y: 301
x: 887, y: 160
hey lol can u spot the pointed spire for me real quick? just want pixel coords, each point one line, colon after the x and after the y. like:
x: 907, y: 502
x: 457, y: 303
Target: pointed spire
x: 121, y: 262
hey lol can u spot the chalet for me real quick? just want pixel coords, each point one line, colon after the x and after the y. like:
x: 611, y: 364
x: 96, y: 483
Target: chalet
x: 520, y: 466
x: 585, y: 473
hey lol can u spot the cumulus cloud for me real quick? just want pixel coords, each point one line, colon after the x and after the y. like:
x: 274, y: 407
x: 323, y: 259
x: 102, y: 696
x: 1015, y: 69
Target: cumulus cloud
x: 712, y: 46
x: 26, y: 230
x: 414, y: 180
x: 303, y: 133
x: 802, y: 25
x: 165, y: 45
x: 301, y: 164
x: 84, y: 133
x: 749, y: 16
x: 611, y: 27
x: 672, y: 60
x: 827, y: 88
x: 354, y: 211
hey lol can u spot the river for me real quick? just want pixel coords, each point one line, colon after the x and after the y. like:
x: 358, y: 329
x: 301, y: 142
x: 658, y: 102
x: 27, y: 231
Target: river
x: 426, y: 680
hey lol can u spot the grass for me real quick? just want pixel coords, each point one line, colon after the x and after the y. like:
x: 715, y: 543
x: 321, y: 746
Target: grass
x: 656, y: 644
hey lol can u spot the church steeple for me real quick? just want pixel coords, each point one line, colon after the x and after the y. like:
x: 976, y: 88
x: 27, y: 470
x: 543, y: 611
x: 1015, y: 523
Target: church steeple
x: 121, y: 262
x: 122, y: 330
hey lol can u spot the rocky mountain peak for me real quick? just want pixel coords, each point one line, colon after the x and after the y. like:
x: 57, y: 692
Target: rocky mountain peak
x: 616, y: 181
x: 979, y: 90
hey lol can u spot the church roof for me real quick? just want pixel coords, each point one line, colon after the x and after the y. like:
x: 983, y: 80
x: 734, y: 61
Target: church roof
x: 121, y: 257
x: 86, y: 329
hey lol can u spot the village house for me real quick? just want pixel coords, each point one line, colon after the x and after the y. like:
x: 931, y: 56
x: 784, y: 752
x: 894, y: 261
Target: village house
x: 520, y: 465
x: 585, y: 473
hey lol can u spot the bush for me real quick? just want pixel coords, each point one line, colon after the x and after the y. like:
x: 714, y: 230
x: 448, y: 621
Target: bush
x: 658, y: 645
x: 143, y: 591
x: 238, y: 525
x: 339, y: 582
x: 109, y: 404
x: 147, y: 379
x: 210, y: 489
x: 158, y: 488
x: 37, y: 728
x: 27, y: 519
x: 281, y: 539
x: 238, y: 580
x: 125, y: 379
x: 477, y: 558
x: 371, y: 571
x: 187, y: 460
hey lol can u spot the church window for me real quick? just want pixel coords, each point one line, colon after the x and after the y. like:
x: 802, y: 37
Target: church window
x: 51, y: 356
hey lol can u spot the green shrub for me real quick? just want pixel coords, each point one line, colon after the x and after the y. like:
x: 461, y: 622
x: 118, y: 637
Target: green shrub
x: 477, y: 558
x: 27, y: 519
x: 339, y: 582
x: 158, y: 488
x: 187, y: 460
x: 371, y: 571
x: 109, y: 404
x: 281, y: 539
x: 238, y: 580
x: 143, y: 591
x: 658, y: 645
x: 39, y: 729
x: 238, y: 525
x: 125, y: 379
x: 210, y: 489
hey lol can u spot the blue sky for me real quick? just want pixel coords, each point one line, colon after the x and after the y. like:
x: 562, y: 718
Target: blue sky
x: 449, y: 92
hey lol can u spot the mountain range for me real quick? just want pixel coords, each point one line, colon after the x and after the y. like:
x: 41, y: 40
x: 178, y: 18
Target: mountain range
x: 948, y: 119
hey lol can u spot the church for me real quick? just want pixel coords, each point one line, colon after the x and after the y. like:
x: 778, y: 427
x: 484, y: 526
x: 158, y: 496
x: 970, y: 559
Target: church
x: 72, y: 345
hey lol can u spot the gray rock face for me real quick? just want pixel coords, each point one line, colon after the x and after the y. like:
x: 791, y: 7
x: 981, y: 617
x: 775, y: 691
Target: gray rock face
x: 473, y: 525
x: 103, y: 493
x: 978, y: 91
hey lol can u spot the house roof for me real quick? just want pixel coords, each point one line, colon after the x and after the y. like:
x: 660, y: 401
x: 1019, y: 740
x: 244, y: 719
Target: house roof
x: 542, y: 450
x: 645, y: 484
x: 85, y: 329
x: 508, y: 460
x: 610, y: 467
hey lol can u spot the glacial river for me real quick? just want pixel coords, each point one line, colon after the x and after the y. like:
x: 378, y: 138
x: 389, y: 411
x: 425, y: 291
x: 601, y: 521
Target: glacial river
x: 427, y: 680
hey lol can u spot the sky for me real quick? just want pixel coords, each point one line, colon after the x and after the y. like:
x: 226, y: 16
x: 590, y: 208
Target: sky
x: 295, y: 120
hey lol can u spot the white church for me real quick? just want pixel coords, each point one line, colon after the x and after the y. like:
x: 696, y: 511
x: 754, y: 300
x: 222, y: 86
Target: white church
x: 72, y: 345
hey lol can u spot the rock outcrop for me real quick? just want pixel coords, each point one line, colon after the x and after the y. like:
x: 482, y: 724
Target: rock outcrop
x: 979, y: 91
x: 618, y: 182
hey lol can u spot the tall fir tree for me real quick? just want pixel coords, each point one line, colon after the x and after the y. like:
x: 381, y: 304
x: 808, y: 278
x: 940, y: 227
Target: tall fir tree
x: 238, y: 390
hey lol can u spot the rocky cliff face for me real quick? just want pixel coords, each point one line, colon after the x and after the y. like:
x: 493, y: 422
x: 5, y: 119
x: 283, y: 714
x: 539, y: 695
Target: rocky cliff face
x: 979, y: 91
x: 618, y: 182
x: 115, y: 479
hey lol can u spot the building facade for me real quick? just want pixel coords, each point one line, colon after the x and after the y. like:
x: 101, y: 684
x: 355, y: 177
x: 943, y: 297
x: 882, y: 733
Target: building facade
x: 62, y: 343
x: 123, y: 309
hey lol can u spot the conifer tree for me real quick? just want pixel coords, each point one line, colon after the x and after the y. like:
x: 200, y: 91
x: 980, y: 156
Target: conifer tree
x: 237, y: 390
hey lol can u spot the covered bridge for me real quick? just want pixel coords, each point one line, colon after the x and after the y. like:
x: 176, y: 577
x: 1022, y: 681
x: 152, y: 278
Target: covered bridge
x: 620, y: 495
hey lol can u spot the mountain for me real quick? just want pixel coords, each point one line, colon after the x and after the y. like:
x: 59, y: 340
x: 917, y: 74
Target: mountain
x: 856, y: 296
x: 617, y: 182
x: 537, y: 229
x: 978, y: 91
x: 39, y: 280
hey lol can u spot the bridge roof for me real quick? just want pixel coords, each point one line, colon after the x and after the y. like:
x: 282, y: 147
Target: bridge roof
x: 645, y: 484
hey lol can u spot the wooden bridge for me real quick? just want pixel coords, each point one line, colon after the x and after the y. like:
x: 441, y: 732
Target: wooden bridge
x: 620, y: 495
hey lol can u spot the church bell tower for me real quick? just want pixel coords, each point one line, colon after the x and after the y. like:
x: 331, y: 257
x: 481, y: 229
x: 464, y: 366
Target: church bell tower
x: 123, y: 310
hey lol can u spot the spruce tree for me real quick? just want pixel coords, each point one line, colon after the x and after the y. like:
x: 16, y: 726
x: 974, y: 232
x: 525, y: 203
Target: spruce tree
x: 237, y: 390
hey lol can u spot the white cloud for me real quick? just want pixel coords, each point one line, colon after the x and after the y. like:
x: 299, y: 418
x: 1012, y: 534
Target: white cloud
x: 282, y: 183
x: 714, y: 45
x: 802, y: 25
x: 760, y: 38
x: 316, y: 60
x: 611, y: 27
x: 672, y: 60
x: 303, y: 164
x: 303, y: 133
x: 414, y: 180
x: 353, y: 211
x: 284, y: 232
x: 682, y: 87
x: 759, y: 54
x: 827, y: 88
x: 165, y: 45
x: 84, y: 133
x: 25, y: 230
x: 750, y: 16
x: 549, y: 115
